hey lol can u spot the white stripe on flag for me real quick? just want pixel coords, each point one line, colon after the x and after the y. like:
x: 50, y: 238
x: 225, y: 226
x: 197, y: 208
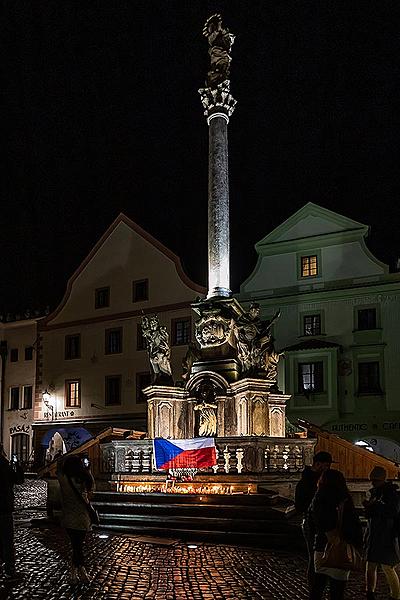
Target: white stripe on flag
x: 195, y: 443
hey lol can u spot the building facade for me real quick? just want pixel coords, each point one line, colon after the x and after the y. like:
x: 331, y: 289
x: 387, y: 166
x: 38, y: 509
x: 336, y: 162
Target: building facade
x: 339, y: 326
x: 18, y: 340
x: 92, y: 363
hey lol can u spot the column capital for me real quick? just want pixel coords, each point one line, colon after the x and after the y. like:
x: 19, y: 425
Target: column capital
x: 218, y: 101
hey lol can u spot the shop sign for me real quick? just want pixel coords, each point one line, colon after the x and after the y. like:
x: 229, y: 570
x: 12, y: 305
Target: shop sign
x: 59, y: 414
x: 386, y: 426
x: 349, y: 427
x: 20, y: 429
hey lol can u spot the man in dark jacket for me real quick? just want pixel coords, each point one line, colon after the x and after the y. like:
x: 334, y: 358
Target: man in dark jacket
x: 304, y: 494
x: 8, y: 477
x: 381, y: 540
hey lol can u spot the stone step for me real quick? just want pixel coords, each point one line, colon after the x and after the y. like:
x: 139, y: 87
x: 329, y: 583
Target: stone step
x: 201, y: 507
x: 205, y: 523
x: 166, y: 498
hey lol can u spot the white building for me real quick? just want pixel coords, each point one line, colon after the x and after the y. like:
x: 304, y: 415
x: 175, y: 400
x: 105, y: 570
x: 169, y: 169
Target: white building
x: 17, y: 385
x: 91, y: 357
x: 339, y: 325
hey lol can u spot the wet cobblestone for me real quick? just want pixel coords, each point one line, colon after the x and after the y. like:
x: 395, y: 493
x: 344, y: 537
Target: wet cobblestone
x: 123, y: 568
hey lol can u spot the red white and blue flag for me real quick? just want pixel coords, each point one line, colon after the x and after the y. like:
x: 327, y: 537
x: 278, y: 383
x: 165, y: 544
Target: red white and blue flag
x: 197, y: 453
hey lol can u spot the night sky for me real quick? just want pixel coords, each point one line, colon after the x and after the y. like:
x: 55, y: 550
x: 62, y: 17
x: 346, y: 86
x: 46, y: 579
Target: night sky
x: 101, y: 115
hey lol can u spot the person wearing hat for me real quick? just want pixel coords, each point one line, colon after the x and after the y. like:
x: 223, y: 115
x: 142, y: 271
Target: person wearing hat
x: 381, y: 538
x: 304, y: 493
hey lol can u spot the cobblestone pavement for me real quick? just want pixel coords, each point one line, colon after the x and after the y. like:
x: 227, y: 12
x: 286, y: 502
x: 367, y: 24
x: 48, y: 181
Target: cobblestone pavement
x: 123, y: 568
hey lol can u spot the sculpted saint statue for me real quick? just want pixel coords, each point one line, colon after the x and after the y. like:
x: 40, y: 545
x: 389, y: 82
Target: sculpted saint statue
x: 220, y: 41
x: 206, y: 407
x: 255, y: 344
x: 157, y: 340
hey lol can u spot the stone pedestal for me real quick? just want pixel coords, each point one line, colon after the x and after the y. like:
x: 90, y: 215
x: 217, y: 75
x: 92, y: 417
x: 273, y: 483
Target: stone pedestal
x: 244, y: 408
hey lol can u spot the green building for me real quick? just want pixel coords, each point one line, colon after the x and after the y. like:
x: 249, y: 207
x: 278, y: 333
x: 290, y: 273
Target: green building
x: 339, y: 326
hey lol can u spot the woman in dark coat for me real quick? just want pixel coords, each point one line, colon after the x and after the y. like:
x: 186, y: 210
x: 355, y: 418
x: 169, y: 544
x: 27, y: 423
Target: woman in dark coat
x: 76, y: 482
x: 332, y: 494
x: 381, y: 537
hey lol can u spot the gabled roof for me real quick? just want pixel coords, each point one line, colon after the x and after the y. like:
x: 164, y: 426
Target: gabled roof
x: 144, y: 234
x: 311, y: 221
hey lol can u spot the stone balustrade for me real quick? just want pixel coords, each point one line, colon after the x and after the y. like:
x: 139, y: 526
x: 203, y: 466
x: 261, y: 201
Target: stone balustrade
x: 235, y: 455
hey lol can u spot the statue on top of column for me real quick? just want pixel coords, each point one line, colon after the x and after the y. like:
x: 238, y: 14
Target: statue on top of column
x: 157, y: 340
x: 220, y: 41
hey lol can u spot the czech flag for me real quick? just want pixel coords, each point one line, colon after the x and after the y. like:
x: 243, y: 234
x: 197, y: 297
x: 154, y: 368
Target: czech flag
x: 198, y: 453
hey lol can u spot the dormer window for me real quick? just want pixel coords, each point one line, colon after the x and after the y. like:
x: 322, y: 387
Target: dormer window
x: 309, y: 266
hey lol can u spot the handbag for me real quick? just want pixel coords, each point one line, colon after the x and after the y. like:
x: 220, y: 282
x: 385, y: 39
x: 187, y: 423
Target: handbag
x: 342, y: 555
x: 92, y: 512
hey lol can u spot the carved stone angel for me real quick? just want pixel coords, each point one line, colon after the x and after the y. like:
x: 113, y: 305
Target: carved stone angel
x: 255, y: 344
x: 157, y: 340
x: 220, y: 41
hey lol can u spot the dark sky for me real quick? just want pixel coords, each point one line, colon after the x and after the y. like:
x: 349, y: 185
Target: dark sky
x: 102, y: 115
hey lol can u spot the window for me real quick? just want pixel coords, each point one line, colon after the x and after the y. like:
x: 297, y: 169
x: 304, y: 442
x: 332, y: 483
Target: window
x: 73, y: 393
x: 309, y: 266
x: 181, y: 331
x: 14, y: 398
x: 140, y: 340
x: 368, y: 378
x: 311, y: 377
x: 312, y: 325
x: 27, y: 401
x: 366, y: 318
x: 14, y: 354
x: 143, y: 380
x: 102, y: 297
x: 72, y: 346
x: 20, y: 447
x: 28, y: 353
x: 140, y: 290
x: 113, y: 390
x: 114, y: 341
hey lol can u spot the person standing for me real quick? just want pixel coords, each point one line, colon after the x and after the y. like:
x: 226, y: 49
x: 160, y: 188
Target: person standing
x: 8, y: 477
x: 76, y: 482
x: 304, y: 494
x: 331, y: 500
x: 381, y: 537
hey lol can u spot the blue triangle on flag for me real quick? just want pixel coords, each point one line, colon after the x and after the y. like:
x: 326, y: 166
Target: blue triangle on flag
x: 164, y: 451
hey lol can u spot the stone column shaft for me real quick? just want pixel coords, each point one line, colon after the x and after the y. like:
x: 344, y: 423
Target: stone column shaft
x: 218, y: 208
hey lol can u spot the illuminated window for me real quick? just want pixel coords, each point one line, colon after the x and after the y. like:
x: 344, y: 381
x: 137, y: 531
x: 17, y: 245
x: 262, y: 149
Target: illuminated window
x: 72, y: 346
x: 181, y: 331
x: 27, y: 401
x: 368, y: 378
x: 366, y: 318
x: 312, y: 325
x: 140, y: 290
x: 143, y: 380
x: 102, y: 297
x: 311, y: 377
x: 309, y: 266
x: 113, y: 390
x: 114, y: 341
x: 73, y: 393
x: 14, y: 398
